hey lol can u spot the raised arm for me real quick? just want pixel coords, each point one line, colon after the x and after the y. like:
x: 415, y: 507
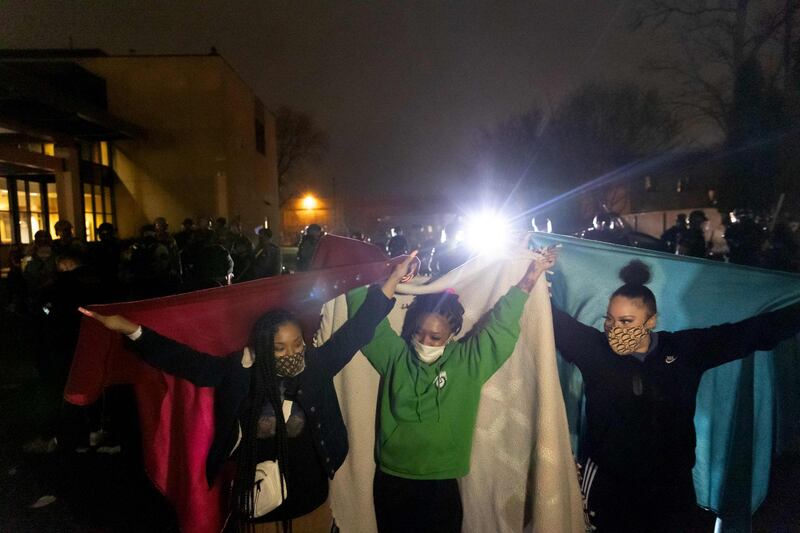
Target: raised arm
x: 165, y: 354
x: 721, y: 344
x: 487, y: 350
x: 574, y: 340
x: 360, y: 328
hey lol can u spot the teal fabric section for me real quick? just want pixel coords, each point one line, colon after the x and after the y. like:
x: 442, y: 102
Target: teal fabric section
x: 747, y: 409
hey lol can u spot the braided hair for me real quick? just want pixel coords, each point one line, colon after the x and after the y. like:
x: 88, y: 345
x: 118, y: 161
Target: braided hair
x: 634, y: 275
x: 264, y: 387
x: 445, y: 304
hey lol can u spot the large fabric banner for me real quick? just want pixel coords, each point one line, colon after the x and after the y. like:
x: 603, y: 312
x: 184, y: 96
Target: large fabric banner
x: 522, y: 475
x: 176, y: 417
x: 746, y: 410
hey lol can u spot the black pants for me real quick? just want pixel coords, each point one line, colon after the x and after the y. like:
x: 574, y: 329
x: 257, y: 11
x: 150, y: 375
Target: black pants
x: 619, y: 505
x: 416, y: 505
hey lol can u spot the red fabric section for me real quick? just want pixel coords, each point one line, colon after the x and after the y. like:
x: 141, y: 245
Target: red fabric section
x: 334, y: 250
x: 176, y: 417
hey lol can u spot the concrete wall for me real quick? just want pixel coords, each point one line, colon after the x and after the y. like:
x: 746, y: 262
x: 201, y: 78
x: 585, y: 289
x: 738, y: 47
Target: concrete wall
x: 199, y: 156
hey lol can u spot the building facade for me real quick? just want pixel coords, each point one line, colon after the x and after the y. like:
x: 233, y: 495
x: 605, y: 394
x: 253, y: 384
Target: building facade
x: 95, y: 138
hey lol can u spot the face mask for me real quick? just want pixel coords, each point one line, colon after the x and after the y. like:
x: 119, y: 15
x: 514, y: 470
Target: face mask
x: 428, y: 354
x: 289, y: 366
x: 624, y: 341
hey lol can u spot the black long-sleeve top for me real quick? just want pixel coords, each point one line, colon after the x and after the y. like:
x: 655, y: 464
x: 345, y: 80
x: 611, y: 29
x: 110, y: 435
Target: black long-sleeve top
x: 640, y: 414
x: 312, y: 389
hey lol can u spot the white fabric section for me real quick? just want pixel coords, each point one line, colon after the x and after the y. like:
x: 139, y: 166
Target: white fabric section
x: 521, y: 453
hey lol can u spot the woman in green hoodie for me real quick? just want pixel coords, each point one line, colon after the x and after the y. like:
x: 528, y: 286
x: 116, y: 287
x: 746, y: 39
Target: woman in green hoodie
x: 430, y: 389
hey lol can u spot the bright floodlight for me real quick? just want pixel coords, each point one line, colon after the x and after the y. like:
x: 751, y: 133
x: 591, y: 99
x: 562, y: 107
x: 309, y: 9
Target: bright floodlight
x: 487, y: 232
x: 309, y: 202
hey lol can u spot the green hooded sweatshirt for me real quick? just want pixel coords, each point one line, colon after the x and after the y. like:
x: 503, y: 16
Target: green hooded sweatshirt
x: 428, y: 411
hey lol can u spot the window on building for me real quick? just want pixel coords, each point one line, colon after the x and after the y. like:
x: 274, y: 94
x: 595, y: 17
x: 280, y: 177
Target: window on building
x: 97, y: 152
x: 104, y: 160
x: 6, y: 227
x: 97, y: 207
x: 88, y: 211
x: 27, y: 205
x: 52, y: 207
x: 30, y: 208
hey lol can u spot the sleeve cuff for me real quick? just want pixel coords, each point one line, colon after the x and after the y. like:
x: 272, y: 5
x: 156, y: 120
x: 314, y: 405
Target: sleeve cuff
x: 517, y: 295
x: 136, y: 334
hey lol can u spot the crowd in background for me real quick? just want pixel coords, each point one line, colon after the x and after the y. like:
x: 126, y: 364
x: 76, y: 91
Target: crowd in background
x: 745, y: 238
x: 157, y: 263
x: 49, y: 278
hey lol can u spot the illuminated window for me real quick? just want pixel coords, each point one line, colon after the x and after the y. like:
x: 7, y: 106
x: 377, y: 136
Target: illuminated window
x: 6, y: 228
x: 98, y: 207
x: 88, y: 211
x: 25, y: 208
x: 52, y: 207
x: 24, y: 215
x: 98, y: 153
x: 30, y: 208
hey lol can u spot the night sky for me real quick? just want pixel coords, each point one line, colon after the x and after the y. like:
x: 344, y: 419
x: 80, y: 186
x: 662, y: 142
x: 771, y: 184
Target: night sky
x: 401, y: 87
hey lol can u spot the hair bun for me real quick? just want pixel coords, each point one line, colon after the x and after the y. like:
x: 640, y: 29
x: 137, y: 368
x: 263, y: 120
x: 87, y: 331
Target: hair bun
x: 635, y: 273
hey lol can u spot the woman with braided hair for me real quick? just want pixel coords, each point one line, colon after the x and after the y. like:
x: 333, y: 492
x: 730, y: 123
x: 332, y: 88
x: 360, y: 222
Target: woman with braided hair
x: 274, y: 401
x: 639, y: 445
x: 429, y: 395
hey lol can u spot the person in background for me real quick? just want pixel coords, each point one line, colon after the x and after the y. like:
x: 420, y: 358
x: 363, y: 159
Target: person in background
x: 104, y: 256
x: 308, y: 244
x: 15, y: 296
x: 40, y: 265
x: 183, y: 236
x: 745, y: 237
x: 782, y: 251
x: 146, y: 266
x: 205, y: 223
x: 165, y: 238
x: 397, y: 246
x: 692, y: 242
x: 641, y: 386
x: 672, y: 235
x: 241, y: 252
x: 65, y: 239
x: 222, y: 233
x: 207, y: 263
x: 452, y: 252
x: 274, y: 400
x: 267, y: 261
x: 76, y: 285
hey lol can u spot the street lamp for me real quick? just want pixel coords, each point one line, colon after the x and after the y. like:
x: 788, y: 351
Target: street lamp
x: 309, y: 202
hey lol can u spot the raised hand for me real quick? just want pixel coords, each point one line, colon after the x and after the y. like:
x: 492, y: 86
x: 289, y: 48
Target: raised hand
x: 402, y: 273
x: 117, y: 323
x: 543, y: 260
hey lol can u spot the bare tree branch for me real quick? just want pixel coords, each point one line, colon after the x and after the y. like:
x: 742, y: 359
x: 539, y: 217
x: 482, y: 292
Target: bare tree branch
x: 298, y: 141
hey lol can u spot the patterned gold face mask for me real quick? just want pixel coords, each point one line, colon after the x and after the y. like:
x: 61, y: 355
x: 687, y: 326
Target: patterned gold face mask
x: 624, y: 341
x: 289, y: 366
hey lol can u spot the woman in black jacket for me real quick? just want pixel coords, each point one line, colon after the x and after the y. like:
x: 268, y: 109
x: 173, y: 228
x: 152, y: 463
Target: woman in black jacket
x: 275, y: 375
x: 638, y: 450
